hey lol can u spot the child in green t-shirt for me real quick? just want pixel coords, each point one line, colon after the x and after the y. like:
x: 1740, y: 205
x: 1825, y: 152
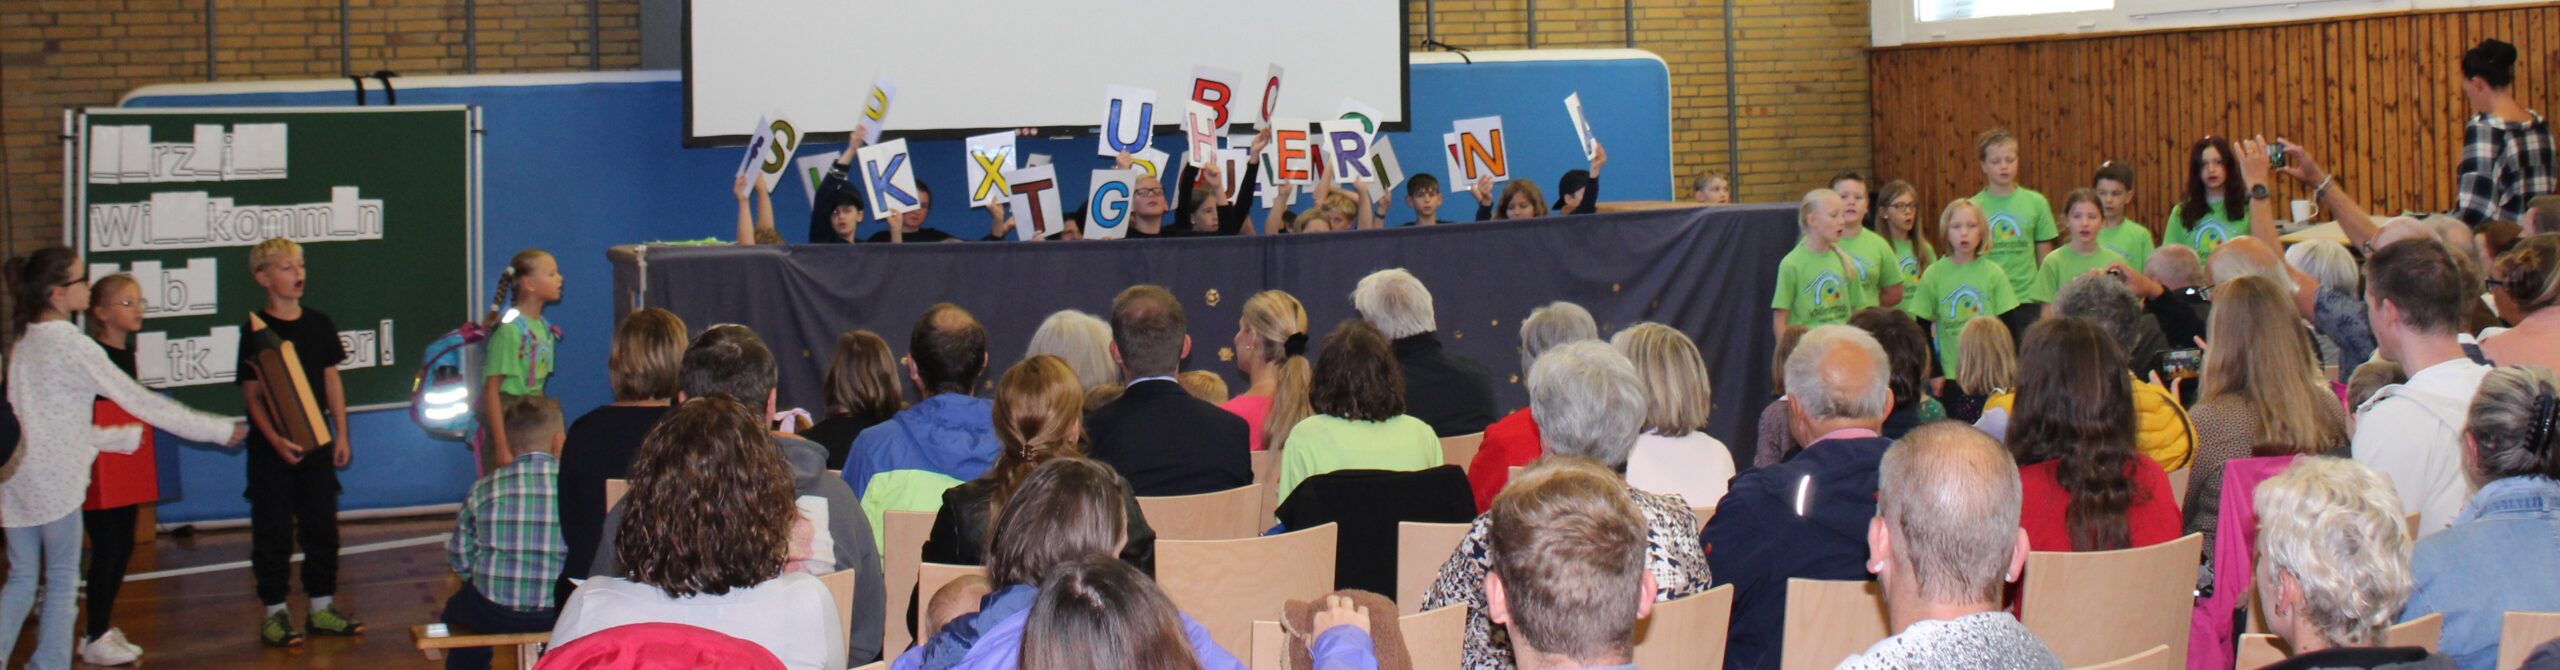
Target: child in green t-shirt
x: 520, y: 355
x: 1898, y: 220
x: 2019, y: 220
x: 2216, y: 208
x: 1879, y: 278
x: 2131, y: 240
x: 1963, y: 285
x: 1813, y: 280
x: 2083, y: 216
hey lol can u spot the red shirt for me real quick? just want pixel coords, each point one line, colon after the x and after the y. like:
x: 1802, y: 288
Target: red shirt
x: 2153, y: 519
x: 118, y: 480
x: 1512, y: 441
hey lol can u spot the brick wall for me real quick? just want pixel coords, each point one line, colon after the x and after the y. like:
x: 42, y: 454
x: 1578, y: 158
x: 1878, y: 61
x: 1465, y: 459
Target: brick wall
x: 1800, y: 77
x: 68, y: 54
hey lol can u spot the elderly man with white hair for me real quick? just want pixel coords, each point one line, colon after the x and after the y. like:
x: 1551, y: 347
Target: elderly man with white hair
x: 1805, y: 517
x: 2181, y: 308
x: 1448, y: 391
x: 1513, y: 441
x: 1946, y: 544
x: 2333, y: 566
x: 1590, y: 406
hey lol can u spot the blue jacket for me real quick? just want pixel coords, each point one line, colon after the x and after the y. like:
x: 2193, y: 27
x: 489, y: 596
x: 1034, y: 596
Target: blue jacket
x: 991, y: 639
x: 905, y: 463
x: 1763, y: 534
x: 2475, y: 572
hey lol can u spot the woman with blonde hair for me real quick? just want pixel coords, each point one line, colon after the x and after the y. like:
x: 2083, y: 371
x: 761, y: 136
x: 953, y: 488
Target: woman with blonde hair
x: 1986, y: 365
x: 1039, y: 417
x: 1271, y: 351
x: 2268, y: 392
x: 1674, y: 454
x: 2333, y: 566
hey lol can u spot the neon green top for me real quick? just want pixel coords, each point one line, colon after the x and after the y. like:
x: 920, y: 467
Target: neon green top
x: 2064, y: 265
x: 2221, y: 224
x: 1872, y: 257
x: 2018, y: 221
x: 522, y: 351
x: 1814, y: 288
x: 2130, y: 240
x: 1952, y: 293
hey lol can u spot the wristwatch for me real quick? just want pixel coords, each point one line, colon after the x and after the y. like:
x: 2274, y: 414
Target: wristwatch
x: 2258, y: 192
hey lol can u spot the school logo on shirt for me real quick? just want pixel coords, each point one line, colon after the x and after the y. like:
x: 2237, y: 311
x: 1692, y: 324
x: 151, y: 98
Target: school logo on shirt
x: 1859, y: 262
x: 1827, y: 291
x: 2209, y: 233
x: 1963, y: 304
x: 1910, y: 266
x: 2005, y: 226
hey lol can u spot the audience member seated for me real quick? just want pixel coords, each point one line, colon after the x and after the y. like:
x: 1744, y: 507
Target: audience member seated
x: 2470, y: 571
x: 1986, y: 365
x: 1906, y: 346
x: 2181, y: 308
x: 1039, y: 417
x: 1271, y: 351
x: 2336, y: 312
x: 1513, y: 441
x: 708, y: 533
x: 504, y: 548
x: 1207, y: 386
x: 1448, y: 391
x: 1594, y: 407
x: 2114, y: 307
x: 1068, y: 511
x: 1776, y: 437
x: 2530, y: 276
x: 1567, y: 584
x: 1165, y: 441
x: 2086, y: 488
x: 1946, y: 542
x: 2412, y: 432
x: 1359, y: 421
x: 2268, y: 392
x: 905, y: 463
x: 956, y: 597
x: 2369, y: 379
x: 1805, y: 517
x: 2542, y: 218
x: 659, y: 646
x: 861, y: 384
x: 1080, y: 339
x: 1100, y: 613
x: 729, y: 360
x: 1674, y: 455
x: 2333, y: 566
x: 2163, y: 432
x: 647, y: 353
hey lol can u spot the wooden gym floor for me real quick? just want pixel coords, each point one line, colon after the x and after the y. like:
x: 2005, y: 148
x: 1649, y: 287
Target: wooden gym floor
x: 210, y: 619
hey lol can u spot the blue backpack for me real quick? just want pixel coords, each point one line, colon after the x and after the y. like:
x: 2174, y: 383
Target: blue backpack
x: 442, y: 398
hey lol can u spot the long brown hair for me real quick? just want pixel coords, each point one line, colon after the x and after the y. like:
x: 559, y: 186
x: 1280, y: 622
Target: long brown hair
x: 1038, y: 408
x: 1357, y: 378
x: 2199, y: 202
x: 1922, y: 251
x: 862, y: 377
x: 1098, y: 612
x: 1068, y: 509
x: 32, y: 279
x: 2277, y: 376
x: 2077, y: 409
x: 710, y: 505
x: 1274, y: 318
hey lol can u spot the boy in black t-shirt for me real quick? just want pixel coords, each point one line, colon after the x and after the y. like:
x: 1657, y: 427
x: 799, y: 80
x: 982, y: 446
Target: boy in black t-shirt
x: 293, y: 488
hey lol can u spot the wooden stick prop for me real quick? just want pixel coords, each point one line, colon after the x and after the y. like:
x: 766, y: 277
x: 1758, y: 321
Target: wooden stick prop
x: 290, y: 405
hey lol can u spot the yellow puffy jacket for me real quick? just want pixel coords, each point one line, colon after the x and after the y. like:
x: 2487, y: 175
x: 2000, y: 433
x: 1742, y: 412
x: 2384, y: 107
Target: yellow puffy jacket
x: 2161, y: 428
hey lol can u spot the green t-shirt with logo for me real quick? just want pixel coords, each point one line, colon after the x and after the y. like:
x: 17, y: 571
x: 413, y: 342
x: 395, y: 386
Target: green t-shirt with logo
x: 1872, y: 258
x: 2018, y: 221
x: 2221, y: 223
x: 1908, y: 256
x: 1952, y: 293
x: 2130, y: 240
x: 1814, y: 288
x: 2064, y: 265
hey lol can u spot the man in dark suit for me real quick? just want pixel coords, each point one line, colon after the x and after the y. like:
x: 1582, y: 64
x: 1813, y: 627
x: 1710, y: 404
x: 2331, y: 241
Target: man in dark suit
x: 1451, y: 392
x: 1165, y: 441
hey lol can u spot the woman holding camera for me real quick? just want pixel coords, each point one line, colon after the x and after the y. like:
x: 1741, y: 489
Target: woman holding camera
x: 2267, y: 395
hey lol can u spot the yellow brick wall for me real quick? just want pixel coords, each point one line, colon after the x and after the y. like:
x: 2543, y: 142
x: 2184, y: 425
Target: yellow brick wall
x: 68, y: 54
x: 1800, y: 77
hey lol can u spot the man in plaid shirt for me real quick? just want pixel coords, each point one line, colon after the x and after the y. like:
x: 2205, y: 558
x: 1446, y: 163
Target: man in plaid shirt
x: 506, y: 542
x: 2506, y: 148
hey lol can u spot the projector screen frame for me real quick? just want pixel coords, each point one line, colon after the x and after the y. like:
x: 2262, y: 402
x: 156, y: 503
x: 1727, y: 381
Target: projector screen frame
x: 1404, y: 101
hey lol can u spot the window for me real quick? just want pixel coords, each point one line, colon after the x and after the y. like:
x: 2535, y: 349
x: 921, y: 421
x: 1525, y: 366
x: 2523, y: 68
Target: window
x: 1945, y: 10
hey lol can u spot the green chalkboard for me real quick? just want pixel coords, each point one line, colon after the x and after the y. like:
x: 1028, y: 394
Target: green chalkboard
x: 384, y: 201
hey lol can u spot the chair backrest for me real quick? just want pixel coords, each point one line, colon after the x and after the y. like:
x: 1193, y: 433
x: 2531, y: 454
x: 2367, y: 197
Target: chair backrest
x: 2258, y: 650
x: 930, y: 578
x: 1266, y: 472
x: 1224, y: 515
x: 1460, y: 450
x: 2425, y: 632
x: 2523, y: 632
x: 1270, y: 650
x: 2178, y: 488
x: 2412, y: 522
x: 1437, y: 640
x: 2155, y: 658
x: 2092, y: 607
x: 840, y: 587
x: 1686, y: 632
x: 614, y: 490
x: 1703, y: 513
x: 903, y: 533
x: 1226, y: 585
x: 1421, y: 550
x: 1829, y: 621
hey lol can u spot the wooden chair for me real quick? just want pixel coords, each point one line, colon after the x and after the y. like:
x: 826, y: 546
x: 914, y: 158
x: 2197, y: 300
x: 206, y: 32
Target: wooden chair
x: 1270, y: 650
x: 1225, y: 515
x: 2177, y: 491
x: 1421, y: 549
x: 903, y: 534
x: 2412, y: 521
x: 1829, y: 621
x: 840, y: 586
x: 1704, y: 513
x: 2097, y: 606
x: 2523, y: 631
x: 1437, y: 640
x: 614, y: 490
x: 528, y: 646
x: 2157, y: 658
x: 930, y: 578
x: 1686, y: 632
x: 1460, y: 450
x: 2426, y: 631
x: 1266, y: 472
x: 1227, y: 585
x: 2258, y: 650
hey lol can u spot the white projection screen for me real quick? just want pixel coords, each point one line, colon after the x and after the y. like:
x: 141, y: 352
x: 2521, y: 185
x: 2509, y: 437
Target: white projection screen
x: 972, y: 65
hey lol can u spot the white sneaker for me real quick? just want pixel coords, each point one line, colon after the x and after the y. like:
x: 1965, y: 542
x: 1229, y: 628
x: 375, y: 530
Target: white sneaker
x: 105, y: 651
x: 116, y: 635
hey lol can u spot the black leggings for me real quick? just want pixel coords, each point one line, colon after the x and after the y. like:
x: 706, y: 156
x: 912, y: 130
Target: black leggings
x: 110, y: 552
